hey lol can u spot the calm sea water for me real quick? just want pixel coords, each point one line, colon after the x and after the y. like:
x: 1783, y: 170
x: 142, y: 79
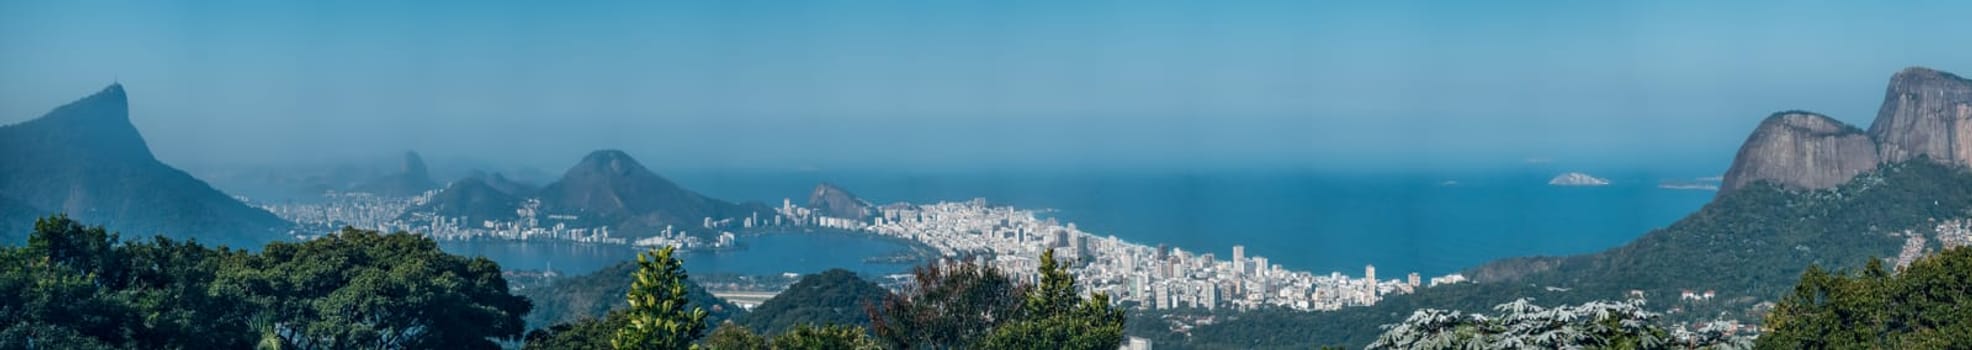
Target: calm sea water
x: 1427, y: 222
x: 767, y: 254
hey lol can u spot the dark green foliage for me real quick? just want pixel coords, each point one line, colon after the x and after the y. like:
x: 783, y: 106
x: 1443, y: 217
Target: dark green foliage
x: 950, y: 307
x: 1054, y: 317
x: 77, y: 287
x: 825, y: 337
x: 1927, y: 306
x: 66, y: 243
x: 584, y: 334
x: 835, y: 296
x: 966, y: 306
x: 1750, y: 245
x: 44, y: 336
x: 75, y: 281
x: 659, y: 317
x: 364, y: 287
x: 732, y: 336
x: 594, y: 295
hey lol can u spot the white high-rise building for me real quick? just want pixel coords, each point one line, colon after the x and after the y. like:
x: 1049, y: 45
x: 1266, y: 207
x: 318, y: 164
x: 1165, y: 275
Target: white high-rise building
x: 1209, y: 295
x: 1369, y: 278
x: 1162, y: 296
x: 1239, y: 260
x: 1260, y: 268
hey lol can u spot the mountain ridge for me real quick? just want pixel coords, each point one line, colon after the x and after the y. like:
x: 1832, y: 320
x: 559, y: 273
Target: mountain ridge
x: 1804, y: 190
x: 412, y: 178
x: 618, y: 191
x: 834, y: 201
x: 1925, y: 113
x: 87, y: 159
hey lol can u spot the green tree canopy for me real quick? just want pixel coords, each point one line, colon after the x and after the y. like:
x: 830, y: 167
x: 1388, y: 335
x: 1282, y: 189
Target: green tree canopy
x: 658, y: 314
x: 364, y: 288
x: 74, y: 286
x: 965, y: 306
x: 733, y: 336
x: 835, y: 296
x: 584, y: 334
x: 825, y: 337
x: 1926, y: 306
x: 1056, y: 317
x: 949, y: 307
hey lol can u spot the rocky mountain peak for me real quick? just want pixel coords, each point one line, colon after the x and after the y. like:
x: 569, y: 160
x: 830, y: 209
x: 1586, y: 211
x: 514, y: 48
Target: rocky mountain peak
x: 1801, y: 150
x: 610, y: 184
x: 609, y: 161
x: 1925, y: 112
x: 411, y: 179
x: 414, y: 165
x: 96, y: 126
x: 86, y: 159
x: 834, y: 201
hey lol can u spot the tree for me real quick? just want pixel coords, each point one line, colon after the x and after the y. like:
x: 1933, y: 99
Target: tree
x: 658, y: 318
x: 1521, y: 324
x: 1055, y: 317
x: 584, y: 334
x: 825, y: 337
x: 364, y: 288
x: 597, y: 294
x: 1926, y: 306
x: 75, y: 286
x: 77, y: 280
x: 71, y: 245
x: 949, y: 307
x: 733, y: 336
x: 45, y: 336
x: 835, y: 296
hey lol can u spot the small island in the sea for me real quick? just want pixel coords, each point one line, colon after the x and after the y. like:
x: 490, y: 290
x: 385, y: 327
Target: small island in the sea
x: 1577, y: 179
x: 1710, y: 183
x: 1686, y: 185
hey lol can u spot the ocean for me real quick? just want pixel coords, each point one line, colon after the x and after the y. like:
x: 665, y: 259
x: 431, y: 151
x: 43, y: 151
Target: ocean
x: 1432, y: 223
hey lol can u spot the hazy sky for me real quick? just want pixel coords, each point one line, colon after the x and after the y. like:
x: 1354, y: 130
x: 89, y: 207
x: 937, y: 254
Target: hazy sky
x: 785, y: 84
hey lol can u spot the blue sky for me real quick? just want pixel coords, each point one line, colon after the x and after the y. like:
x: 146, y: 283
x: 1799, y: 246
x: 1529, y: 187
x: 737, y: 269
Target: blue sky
x: 941, y: 84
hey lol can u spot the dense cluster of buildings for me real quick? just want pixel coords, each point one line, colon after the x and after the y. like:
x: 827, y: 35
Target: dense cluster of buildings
x: 1012, y: 240
x: 530, y: 222
x: 1950, y: 234
x: 392, y: 214
x: 346, y: 209
x: 1007, y: 238
x: 1955, y: 233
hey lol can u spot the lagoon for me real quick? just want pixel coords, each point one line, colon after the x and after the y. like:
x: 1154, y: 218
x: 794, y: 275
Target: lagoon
x: 762, y: 254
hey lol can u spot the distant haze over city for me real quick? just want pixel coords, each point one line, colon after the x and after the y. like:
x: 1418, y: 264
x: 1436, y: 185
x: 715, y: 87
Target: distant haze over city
x: 771, y: 85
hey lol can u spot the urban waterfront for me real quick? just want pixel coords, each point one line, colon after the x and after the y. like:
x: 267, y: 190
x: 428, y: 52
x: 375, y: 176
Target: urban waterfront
x: 1238, y: 223
x: 761, y: 254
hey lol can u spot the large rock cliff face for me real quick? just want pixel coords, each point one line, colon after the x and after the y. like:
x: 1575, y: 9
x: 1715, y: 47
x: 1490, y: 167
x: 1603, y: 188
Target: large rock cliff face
x: 412, y: 179
x: 1925, y: 112
x: 836, y: 202
x: 87, y: 159
x: 1801, y: 150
